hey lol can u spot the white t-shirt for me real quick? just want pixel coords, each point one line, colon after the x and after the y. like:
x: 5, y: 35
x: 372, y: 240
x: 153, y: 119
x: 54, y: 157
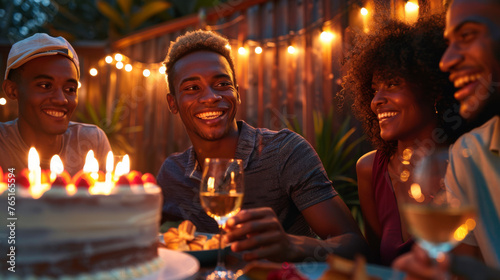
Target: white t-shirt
x: 78, y: 139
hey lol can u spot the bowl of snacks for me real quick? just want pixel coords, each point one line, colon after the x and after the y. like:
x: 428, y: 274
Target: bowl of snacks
x: 185, y: 238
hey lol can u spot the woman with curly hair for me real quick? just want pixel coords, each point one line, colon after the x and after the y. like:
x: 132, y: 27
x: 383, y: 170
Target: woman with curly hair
x: 405, y: 103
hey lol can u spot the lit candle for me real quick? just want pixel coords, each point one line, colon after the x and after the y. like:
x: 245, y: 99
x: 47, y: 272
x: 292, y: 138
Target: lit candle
x: 126, y: 164
x: 35, y: 174
x: 56, y: 167
x: 34, y: 167
x: 122, y: 167
x: 91, y: 165
x: 109, y: 167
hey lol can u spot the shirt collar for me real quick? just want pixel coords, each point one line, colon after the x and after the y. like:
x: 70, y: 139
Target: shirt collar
x: 246, y: 143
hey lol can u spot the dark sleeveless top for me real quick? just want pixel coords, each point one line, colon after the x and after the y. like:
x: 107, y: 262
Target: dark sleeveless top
x: 391, y: 243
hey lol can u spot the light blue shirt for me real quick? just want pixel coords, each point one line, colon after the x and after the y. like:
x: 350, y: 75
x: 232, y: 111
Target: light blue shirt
x: 474, y: 172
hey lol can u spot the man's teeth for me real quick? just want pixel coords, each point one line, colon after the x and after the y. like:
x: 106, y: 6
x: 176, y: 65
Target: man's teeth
x: 386, y: 115
x: 460, y: 82
x: 209, y: 115
x: 53, y: 113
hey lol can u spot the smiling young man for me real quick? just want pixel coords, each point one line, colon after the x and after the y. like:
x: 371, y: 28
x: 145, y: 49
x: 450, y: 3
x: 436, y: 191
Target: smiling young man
x: 288, y: 197
x: 42, y: 75
x: 473, y: 61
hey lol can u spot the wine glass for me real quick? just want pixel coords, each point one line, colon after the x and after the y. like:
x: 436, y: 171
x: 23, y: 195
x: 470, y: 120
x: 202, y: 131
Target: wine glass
x: 221, y: 195
x: 436, y: 215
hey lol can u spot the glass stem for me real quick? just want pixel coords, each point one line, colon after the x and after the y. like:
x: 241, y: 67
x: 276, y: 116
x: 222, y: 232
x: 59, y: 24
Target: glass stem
x: 220, y: 260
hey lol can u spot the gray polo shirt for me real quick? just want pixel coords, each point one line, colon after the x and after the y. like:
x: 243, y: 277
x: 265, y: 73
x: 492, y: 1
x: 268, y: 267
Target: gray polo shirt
x: 282, y: 171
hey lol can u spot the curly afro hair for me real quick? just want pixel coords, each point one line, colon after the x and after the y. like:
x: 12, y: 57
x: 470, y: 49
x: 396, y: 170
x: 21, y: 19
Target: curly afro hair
x: 409, y: 52
x: 193, y: 41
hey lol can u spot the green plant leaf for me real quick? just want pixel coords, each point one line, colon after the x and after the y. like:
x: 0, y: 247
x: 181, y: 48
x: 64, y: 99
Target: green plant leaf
x: 147, y: 11
x: 337, y: 153
x: 111, y: 13
x: 125, y: 6
x: 92, y: 114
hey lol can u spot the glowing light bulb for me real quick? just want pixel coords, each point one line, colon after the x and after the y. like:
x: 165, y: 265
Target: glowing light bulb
x: 162, y: 70
x: 146, y: 73
x: 79, y: 84
x: 411, y: 7
x: 228, y: 46
x: 108, y: 59
x: 3, y: 101
x: 119, y: 65
x: 411, y: 12
x: 291, y: 49
x: 364, y: 11
x: 118, y: 57
x: 128, y: 67
x: 258, y: 50
x: 326, y: 36
x: 93, y: 72
x: 242, y: 51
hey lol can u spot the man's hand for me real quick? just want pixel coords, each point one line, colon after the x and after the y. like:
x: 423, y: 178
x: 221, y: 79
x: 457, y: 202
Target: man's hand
x: 418, y: 265
x: 259, y: 233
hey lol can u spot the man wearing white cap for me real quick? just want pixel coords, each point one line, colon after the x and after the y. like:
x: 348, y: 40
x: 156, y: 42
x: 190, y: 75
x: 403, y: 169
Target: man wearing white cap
x: 42, y: 75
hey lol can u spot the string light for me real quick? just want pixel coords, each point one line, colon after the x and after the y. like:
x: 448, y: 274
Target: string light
x: 411, y: 12
x: 93, y: 72
x: 121, y: 61
x: 326, y: 36
x: 79, y: 84
x: 364, y: 11
x: 3, y: 101
x: 411, y: 7
x: 118, y: 57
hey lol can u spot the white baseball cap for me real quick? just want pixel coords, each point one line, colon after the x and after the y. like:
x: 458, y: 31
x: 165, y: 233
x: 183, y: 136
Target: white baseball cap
x: 39, y: 45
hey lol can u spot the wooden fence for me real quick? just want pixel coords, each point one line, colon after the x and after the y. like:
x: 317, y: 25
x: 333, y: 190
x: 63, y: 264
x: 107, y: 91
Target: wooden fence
x: 274, y: 85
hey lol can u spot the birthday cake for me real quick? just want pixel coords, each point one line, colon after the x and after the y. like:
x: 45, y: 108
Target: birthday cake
x: 71, y: 231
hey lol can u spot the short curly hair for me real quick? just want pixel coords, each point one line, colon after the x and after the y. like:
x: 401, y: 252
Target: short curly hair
x: 199, y: 40
x: 410, y: 52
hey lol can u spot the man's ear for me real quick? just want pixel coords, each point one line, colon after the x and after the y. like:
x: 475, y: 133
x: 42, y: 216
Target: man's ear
x: 10, y: 89
x: 172, y: 103
x: 238, y: 94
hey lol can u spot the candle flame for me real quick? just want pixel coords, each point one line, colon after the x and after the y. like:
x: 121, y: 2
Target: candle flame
x: 110, y: 162
x: 56, y: 167
x: 123, y: 167
x: 35, y: 174
x: 91, y: 164
x: 33, y: 159
x: 126, y: 164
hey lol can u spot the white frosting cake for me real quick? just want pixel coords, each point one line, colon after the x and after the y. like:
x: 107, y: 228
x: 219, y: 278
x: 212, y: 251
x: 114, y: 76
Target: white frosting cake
x: 83, y: 236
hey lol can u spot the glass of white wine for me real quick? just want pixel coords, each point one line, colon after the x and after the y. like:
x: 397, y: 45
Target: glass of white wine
x: 221, y: 196
x: 436, y: 215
